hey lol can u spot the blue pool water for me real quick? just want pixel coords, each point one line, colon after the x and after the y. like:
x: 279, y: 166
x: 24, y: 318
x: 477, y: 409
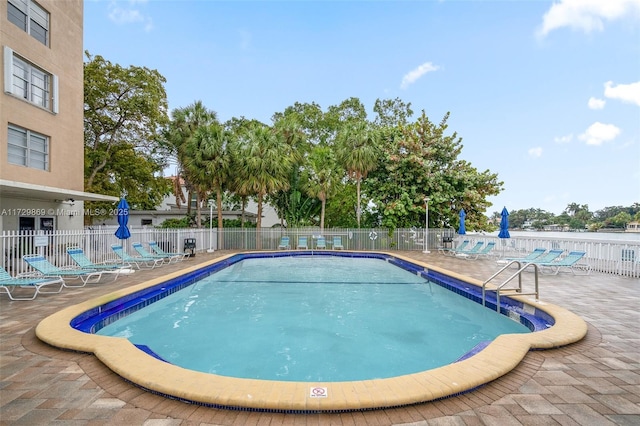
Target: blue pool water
x: 319, y: 318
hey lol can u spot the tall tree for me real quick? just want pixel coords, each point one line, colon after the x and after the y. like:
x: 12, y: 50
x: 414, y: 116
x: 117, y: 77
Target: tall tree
x: 310, y: 118
x: 292, y: 204
x: 392, y: 113
x: 322, y: 174
x: 421, y: 161
x: 209, y: 164
x: 239, y: 129
x: 125, y: 110
x: 267, y: 165
x: 185, y: 123
x: 357, y: 152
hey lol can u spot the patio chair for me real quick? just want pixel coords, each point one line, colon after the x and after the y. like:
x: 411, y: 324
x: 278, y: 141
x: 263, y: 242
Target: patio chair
x: 472, y: 250
x: 284, y: 243
x: 302, y: 243
x: 78, y: 256
x: 8, y: 284
x: 536, y: 253
x: 549, y: 257
x: 158, y: 250
x: 48, y: 270
x: 485, y: 251
x: 321, y: 244
x: 138, y: 261
x: 144, y: 253
x: 570, y: 261
x: 452, y: 251
x: 337, y: 243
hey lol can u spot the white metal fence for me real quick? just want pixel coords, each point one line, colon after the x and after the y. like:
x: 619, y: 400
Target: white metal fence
x: 607, y: 256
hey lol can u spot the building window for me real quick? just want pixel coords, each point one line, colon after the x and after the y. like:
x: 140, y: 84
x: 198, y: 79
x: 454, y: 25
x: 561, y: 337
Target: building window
x: 27, y: 81
x: 27, y: 148
x: 30, y: 17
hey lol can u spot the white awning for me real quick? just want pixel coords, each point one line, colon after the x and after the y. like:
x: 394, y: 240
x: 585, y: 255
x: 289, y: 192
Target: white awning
x: 14, y: 189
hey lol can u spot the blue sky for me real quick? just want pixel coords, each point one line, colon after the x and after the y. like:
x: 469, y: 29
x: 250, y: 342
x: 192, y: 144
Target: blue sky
x: 544, y: 93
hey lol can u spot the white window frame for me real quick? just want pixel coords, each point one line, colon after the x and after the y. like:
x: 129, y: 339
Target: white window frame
x: 35, y: 17
x: 34, y: 148
x: 29, y: 82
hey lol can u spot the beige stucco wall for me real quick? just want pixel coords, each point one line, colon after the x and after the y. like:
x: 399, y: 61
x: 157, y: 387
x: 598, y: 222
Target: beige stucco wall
x: 64, y: 58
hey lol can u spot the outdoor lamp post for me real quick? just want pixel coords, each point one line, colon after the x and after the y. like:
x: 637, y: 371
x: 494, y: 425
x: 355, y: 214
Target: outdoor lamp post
x: 426, y: 225
x: 211, y: 250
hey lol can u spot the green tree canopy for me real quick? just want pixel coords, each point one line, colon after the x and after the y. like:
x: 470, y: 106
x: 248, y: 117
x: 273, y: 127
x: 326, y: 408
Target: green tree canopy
x: 420, y: 161
x: 125, y: 110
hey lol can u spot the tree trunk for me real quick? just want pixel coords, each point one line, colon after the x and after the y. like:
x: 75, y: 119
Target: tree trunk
x: 358, y: 209
x: 242, y: 218
x: 324, y: 203
x: 95, y: 172
x: 259, y: 224
x: 198, y: 215
x: 220, y: 223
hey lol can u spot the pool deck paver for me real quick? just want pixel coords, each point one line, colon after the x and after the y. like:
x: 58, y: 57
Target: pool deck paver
x: 593, y: 382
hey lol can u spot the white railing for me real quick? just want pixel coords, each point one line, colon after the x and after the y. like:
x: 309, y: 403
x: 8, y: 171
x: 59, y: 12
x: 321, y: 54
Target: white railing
x: 607, y: 256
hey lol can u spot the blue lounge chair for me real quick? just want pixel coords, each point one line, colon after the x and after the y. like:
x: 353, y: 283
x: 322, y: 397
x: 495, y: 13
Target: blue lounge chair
x: 535, y: 254
x: 337, y: 243
x: 284, y: 243
x: 155, y: 248
x: 9, y: 284
x: 145, y: 254
x: 302, y: 243
x: 83, y: 262
x: 48, y: 270
x: 473, y: 250
x: 549, y: 257
x: 138, y: 261
x: 485, y: 251
x: 452, y: 251
x: 570, y: 261
x: 321, y: 244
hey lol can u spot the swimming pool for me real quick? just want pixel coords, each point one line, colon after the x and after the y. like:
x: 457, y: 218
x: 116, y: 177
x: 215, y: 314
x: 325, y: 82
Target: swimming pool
x: 312, y: 318
x: 127, y: 360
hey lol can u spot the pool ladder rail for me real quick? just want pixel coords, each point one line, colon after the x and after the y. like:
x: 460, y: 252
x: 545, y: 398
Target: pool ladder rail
x: 500, y: 289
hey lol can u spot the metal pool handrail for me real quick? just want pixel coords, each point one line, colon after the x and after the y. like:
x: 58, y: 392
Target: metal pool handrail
x: 518, y: 290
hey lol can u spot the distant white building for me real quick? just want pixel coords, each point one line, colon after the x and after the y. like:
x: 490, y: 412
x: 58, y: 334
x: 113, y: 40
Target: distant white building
x: 169, y: 209
x: 633, y: 227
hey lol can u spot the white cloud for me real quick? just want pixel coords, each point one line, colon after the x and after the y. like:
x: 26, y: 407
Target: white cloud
x: 563, y: 139
x: 624, y: 92
x: 599, y: 133
x: 128, y: 14
x: 413, y: 75
x: 595, y: 103
x: 587, y: 15
x: 535, y: 152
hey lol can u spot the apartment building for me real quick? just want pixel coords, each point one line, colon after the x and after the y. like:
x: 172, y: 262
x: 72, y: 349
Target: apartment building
x: 41, y: 116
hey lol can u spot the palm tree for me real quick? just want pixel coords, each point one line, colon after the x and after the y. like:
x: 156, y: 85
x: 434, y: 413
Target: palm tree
x: 358, y: 154
x: 288, y: 128
x: 238, y: 129
x: 267, y: 162
x: 184, y: 124
x: 322, y: 176
x: 210, y: 163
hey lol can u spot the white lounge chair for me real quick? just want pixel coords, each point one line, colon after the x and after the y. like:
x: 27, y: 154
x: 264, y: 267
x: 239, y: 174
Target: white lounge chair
x: 48, y: 270
x: 9, y: 284
x: 284, y: 243
x: 302, y: 243
x: 337, y: 243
